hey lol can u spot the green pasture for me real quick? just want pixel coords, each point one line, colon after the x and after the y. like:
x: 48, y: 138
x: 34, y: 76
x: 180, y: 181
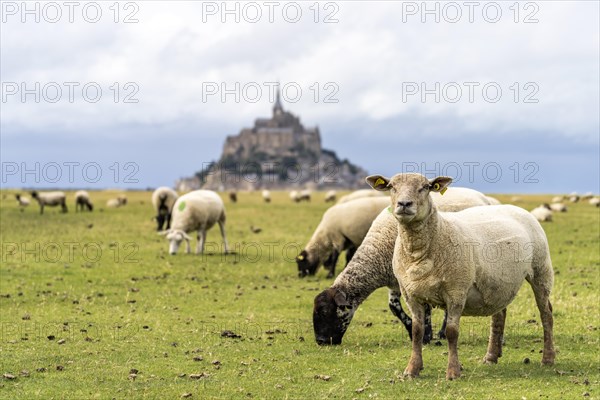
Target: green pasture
x: 92, y: 306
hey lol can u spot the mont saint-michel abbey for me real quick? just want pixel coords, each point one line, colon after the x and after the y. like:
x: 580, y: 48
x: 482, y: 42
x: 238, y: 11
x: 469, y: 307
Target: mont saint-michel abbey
x: 281, y: 136
x: 276, y: 153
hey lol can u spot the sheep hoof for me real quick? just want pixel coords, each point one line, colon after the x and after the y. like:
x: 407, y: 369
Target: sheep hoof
x: 452, y: 374
x: 548, y: 361
x: 490, y: 359
x: 412, y: 372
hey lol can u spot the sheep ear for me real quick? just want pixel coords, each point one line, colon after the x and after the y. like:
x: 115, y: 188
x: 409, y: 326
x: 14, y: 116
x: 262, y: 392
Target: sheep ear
x: 163, y: 233
x: 440, y: 184
x: 186, y: 236
x: 340, y: 299
x: 378, y: 182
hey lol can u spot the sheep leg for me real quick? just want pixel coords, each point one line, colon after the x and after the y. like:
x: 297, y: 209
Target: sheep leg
x: 545, y: 308
x: 187, y: 246
x: 396, y: 308
x: 452, y: 330
x: 415, y: 365
x: 168, y: 221
x: 350, y: 253
x: 494, y: 350
x: 428, y: 335
x: 201, y: 240
x: 331, y: 262
x: 442, y: 332
x: 222, y: 228
x: 64, y: 206
x: 41, y: 209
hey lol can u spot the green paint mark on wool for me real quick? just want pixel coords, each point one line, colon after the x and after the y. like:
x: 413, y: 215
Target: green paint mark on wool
x: 182, y: 206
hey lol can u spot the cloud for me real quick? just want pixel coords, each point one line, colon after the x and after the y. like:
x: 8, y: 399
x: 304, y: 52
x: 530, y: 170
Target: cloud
x: 375, y: 63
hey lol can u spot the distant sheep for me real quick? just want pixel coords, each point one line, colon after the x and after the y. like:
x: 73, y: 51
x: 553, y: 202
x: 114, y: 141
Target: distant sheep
x: 163, y: 199
x: 371, y: 269
x: 297, y: 196
x: 266, y: 195
x: 432, y: 266
x: 558, y: 199
x: 558, y: 207
x: 51, y: 199
x: 304, y: 195
x: 233, y: 196
x: 294, y: 196
x: 342, y: 228
x: 574, y: 197
x: 587, y: 196
x: 595, y: 201
x: 358, y: 194
x: 197, y: 211
x: 120, y: 201
x: 543, y: 213
x: 82, y: 201
x: 22, y: 200
x: 330, y: 196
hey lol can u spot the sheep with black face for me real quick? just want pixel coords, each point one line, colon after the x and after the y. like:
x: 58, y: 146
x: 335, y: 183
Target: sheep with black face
x: 83, y: 201
x: 51, y: 199
x: 197, y: 211
x: 163, y: 200
x: 342, y: 228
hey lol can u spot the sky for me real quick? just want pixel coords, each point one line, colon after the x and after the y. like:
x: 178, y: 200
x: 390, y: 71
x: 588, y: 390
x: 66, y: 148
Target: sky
x: 502, y: 96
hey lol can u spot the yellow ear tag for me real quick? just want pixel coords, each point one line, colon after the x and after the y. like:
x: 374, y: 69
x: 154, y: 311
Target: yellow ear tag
x: 300, y: 258
x: 443, y: 191
x: 436, y: 187
x: 379, y: 181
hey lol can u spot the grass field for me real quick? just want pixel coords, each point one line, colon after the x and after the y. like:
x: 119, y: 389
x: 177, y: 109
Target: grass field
x: 92, y: 306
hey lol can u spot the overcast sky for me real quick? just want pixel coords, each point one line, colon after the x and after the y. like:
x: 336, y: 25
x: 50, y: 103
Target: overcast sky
x: 503, y: 98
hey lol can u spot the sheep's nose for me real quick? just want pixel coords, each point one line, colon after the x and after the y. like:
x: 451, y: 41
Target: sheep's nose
x: 405, y: 204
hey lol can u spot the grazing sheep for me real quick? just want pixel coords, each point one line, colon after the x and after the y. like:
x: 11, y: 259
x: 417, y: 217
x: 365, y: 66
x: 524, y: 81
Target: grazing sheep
x: 371, y: 269
x: 543, y: 213
x: 116, y: 203
x: 21, y: 200
x: 233, y: 196
x: 82, y: 201
x: 197, y: 211
x: 587, y: 196
x: 358, y: 194
x: 343, y: 227
x: 122, y: 199
x: 558, y: 199
x: 595, y: 201
x: 330, y: 196
x: 558, y: 207
x: 50, y: 199
x: 441, y: 259
x: 266, y: 195
x: 304, y: 195
x: 294, y: 196
x: 163, y: 199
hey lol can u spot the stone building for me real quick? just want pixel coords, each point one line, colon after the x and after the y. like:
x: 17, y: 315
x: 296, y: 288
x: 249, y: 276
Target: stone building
x: 276, y: 153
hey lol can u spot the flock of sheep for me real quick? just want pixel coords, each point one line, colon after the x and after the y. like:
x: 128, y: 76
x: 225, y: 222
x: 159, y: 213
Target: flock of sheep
x: 425, y: 242
x: 543, y: 212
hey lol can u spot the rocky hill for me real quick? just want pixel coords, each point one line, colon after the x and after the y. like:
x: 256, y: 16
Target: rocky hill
x: 276, y: 153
